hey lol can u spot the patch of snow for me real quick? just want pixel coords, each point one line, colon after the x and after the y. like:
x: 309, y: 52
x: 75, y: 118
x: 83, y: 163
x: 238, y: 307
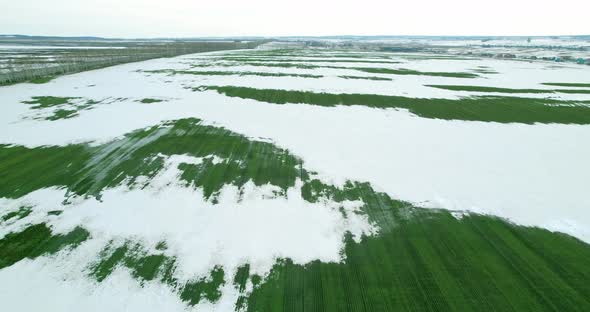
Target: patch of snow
x: 247, y: 225
x: 49, y: 284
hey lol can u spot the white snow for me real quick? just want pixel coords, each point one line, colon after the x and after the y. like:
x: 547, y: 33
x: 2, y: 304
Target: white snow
x: 59, y: 284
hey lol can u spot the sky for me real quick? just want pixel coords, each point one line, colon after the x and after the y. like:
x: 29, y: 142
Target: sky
x: 192, y: 18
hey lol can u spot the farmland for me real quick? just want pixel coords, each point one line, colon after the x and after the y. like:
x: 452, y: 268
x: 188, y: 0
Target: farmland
x: 38, y: 64
x: 283, y: 177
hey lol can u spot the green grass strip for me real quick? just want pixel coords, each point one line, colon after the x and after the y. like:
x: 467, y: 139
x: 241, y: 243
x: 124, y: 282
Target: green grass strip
x: 415, y: 72
x: 150, y: 100
x: 38, y: 80
x: 567, y: 84
x: 40, y: 102
x: 66, y: 108
x: 366, y: 78
x: 42, y: 80
x: 239, y: 73
x: 22, y: 212
x: 484, y: 108
x: 254, y: 59
x: 372, y: 70
x: 504, y: 90
x: 36, y: 240
x: 195, y: 291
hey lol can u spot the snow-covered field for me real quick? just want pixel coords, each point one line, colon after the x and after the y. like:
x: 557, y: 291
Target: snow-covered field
x: 531, y: 174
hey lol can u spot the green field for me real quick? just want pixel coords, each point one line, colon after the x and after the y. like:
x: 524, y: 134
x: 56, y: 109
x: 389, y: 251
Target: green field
x: 506, y: 90
x: 482, y: 108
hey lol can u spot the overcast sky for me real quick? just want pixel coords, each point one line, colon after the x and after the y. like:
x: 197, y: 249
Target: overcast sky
x: 191, y: 18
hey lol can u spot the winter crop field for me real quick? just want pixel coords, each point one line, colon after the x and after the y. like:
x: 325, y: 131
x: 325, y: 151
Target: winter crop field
x: 297, y: 178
